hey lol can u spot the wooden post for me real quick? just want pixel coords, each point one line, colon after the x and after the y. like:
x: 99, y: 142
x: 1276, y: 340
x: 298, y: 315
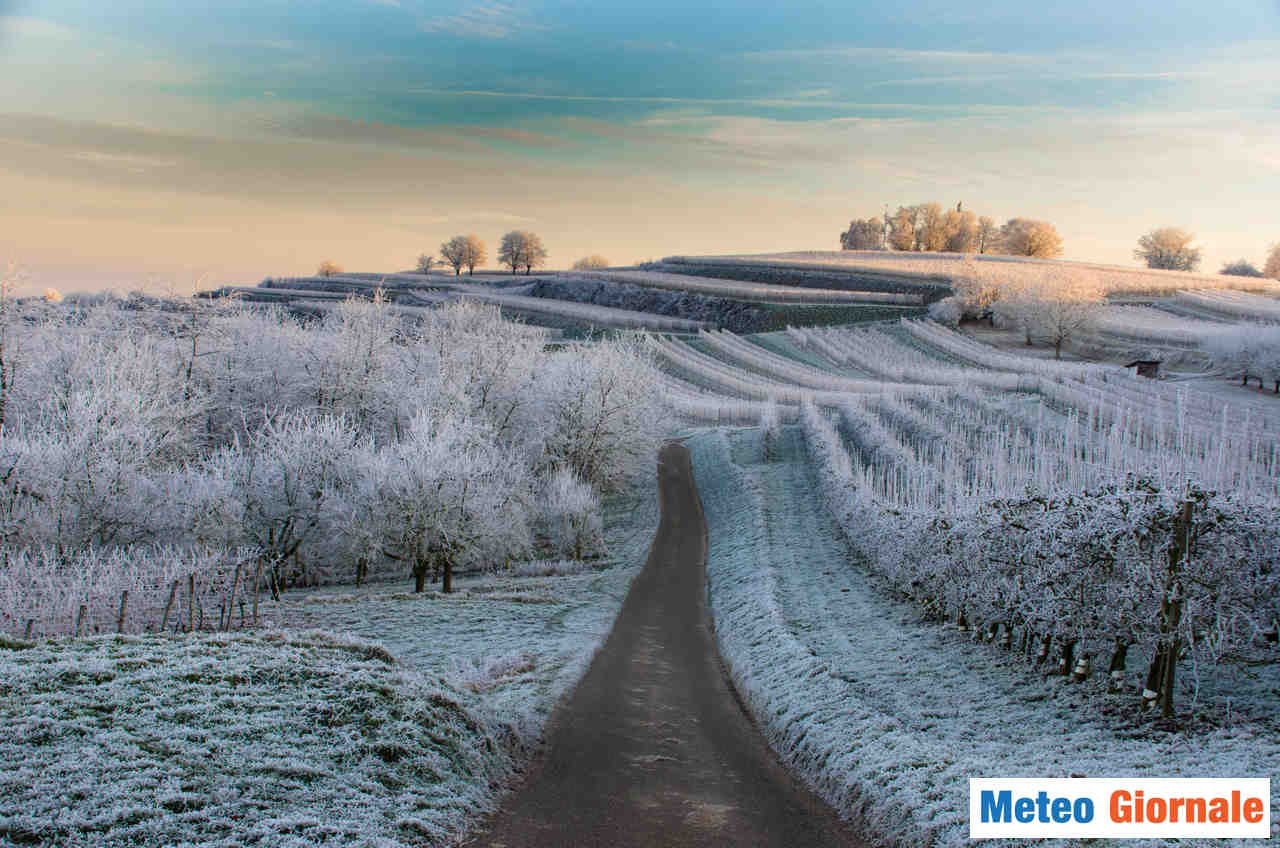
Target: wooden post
x: 231, y: 601
x: 26, y: 634
x: 257, y: 588
x: 191, y: 602
x: 173, y: 593
x: 84, y: 608
x: 124, y: 607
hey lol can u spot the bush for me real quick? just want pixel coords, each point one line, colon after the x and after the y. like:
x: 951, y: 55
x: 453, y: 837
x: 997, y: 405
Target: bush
x: 947, y: 311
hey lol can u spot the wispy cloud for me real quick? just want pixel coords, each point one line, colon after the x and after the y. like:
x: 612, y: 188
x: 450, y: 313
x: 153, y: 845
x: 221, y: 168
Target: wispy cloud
x: 484, y: 20
x: 461, y: 138
x: 129, y: 161
x: 23, y: 27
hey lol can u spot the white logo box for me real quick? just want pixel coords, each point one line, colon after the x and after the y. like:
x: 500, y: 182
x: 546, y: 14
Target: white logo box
x: 1120, y: 807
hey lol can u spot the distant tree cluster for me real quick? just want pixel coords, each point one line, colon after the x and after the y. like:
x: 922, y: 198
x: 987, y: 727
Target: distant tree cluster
x: 591, y: 263
x: 926, y: 227
x: 1169, y: 248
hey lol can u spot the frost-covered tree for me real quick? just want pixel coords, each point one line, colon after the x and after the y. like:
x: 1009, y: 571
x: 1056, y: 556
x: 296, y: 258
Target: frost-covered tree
x: 987, y: 237
x: 961, y: 228
x: 1272, y: 266
x: 591, y: 263
x: 328, y: 268
x: 976, y: 285
x: 904, y: 227
x: 863, y: 234
x: 449, y: 495
x: 931, y: 228
x: 602, y: 416
x: 571, y: 513
x: 1065, y: 302
x: 1027, y: 237
x: 1168, y: 248
x: 522, y: 249
x: 425, y: 263
x: 454, y: 252
x: 474, y: 252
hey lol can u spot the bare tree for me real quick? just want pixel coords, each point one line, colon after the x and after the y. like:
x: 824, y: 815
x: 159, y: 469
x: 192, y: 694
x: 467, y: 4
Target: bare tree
x: 961, y: 230
x: 454, y: 252
x: 328, y: 268
x: 1027, y: 237
x: 988, y: 235
x: 475, y: 252
x: 1272, y: 267
x: 931, y: 231
x: 1066, y: 301
x: 425, y: 263
x: 863, y: 234
x: 522, y: 249
x: 902, y: 232
x: 591, y: 263
x: 535, y: 254
x: 1168, y: 248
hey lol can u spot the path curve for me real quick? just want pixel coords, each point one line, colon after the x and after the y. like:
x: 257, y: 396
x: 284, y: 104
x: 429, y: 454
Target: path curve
x: 653, y: 747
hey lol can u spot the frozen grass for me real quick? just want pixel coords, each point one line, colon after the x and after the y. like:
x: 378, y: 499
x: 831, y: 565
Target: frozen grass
x: 931, y: 266
x: 281, y: 739
x: 887, y: 715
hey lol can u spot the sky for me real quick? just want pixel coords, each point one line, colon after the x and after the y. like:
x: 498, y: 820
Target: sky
x: 168, y: 145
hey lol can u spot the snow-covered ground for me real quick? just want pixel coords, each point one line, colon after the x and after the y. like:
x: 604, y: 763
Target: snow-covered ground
x: 376, y: 718
x: 888, y: 715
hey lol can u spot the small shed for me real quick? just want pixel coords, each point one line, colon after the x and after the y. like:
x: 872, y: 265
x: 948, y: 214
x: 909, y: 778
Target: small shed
x: 1146, y: 368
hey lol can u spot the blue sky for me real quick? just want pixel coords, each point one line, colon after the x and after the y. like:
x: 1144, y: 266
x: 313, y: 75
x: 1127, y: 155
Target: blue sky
x: 243, y: 138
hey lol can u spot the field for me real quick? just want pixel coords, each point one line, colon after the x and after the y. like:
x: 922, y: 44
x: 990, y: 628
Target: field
x: 971, y: 558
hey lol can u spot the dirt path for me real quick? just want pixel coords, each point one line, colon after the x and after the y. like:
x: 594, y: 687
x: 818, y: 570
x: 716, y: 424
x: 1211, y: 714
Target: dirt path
x: 653, y: 748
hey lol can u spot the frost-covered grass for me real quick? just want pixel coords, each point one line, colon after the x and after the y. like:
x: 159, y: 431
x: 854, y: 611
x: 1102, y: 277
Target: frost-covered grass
x: 280, y: 739
x: 888, y: 715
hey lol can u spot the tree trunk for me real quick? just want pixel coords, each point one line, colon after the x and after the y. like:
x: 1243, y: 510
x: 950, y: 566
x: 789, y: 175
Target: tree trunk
x: 419, y: 575
x: 447, y: 587
x: 1057, y: 349
x: 1116, y: 669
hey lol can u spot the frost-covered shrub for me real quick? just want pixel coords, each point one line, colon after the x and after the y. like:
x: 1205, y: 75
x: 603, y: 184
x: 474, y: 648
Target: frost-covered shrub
x: 771, y: 424
x: 571, y: 512
x: 947, y: 311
